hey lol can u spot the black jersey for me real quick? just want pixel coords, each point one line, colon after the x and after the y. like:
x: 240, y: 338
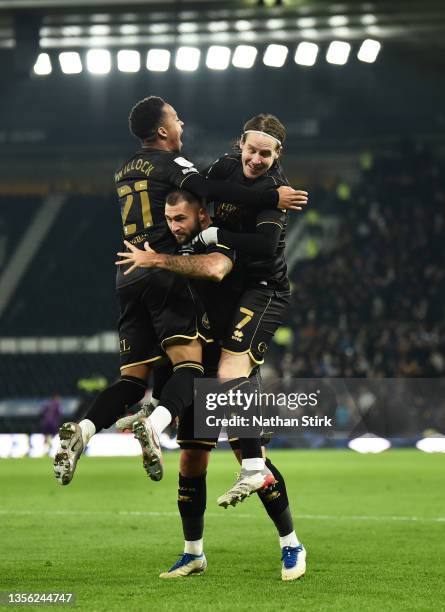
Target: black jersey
x: 234, y: 217
x: 143, y: 183
x: 218, y: 298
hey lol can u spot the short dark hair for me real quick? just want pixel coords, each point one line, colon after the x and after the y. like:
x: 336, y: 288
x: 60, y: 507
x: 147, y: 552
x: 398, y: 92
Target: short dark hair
x: 179, y: 195
x: 145, y: 118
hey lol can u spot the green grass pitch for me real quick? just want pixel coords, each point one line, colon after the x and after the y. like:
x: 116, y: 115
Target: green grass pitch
x: 373, y: 526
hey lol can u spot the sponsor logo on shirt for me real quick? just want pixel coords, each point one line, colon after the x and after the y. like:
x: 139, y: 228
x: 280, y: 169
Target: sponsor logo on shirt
x: 181, y: 161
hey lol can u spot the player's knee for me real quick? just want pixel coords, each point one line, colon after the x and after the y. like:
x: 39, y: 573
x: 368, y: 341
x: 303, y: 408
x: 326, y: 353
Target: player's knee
x: 193, y: 462
x: 192, y: 351
x: 137, y: 371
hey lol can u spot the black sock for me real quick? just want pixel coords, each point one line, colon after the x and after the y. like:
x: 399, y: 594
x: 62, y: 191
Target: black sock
x: 276, y: 503
x: 250, y: 448
x: 178, y: 392
x: 192, y: 497
x: 161, y: 375
x: 114, y: 401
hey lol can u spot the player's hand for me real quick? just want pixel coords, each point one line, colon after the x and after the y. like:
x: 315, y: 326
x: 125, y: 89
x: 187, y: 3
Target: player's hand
x: 136, y: 258
x: 207, y: 236
x: 290, y: 199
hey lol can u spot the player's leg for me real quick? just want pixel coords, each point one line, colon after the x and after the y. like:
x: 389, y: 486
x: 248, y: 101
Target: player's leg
x: 108, y: 406
x: 160, y: 376
x: 254, y: 473
x: 257, y: 316
x: 276, y: 504
x: 138, y: 351
x: 193, y: 462
x: 174, y: 312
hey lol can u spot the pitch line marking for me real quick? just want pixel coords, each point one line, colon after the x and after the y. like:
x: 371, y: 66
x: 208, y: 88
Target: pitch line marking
x: 309, y: 517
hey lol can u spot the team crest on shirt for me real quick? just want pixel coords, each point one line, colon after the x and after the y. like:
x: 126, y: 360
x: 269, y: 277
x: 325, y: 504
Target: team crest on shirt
x: 205, y: 321
x: 262, y: 347
x: 181, y: 161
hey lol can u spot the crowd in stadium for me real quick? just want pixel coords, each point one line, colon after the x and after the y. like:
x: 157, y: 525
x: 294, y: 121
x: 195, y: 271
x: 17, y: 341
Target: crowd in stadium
x: 373, y: 306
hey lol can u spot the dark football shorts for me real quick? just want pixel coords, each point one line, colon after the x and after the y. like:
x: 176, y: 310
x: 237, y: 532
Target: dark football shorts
x: 186, y: 428
x: 159, y: 310
x: 255, y: 319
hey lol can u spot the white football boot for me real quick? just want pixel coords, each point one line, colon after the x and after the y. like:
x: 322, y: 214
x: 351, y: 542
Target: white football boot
x: 186, y: 565
x: 294, y: 562
x: 248, y: 482
x: 68, y: 453
x: 151, y: 449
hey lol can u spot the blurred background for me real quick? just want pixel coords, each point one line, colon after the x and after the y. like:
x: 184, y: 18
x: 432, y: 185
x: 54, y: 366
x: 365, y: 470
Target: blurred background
x: 359, y: 86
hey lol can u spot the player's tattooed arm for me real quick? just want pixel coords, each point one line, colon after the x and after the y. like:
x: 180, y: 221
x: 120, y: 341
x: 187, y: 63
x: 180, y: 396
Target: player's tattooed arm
x: 213, y: 267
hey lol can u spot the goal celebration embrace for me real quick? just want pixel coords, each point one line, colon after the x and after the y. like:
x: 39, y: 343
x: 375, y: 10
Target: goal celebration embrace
x: 202, y: 286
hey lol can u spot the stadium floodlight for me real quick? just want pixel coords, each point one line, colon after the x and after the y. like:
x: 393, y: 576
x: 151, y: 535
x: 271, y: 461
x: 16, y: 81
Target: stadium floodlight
x: 368, y: 19
x: 187, y: 27
x: 369, y: 50
x: 338, y: 20
x: 70, y: 62
x: 128, y: 60
x: 275, y: 55
x: 187, y: 58
x: 306, y: 54
x: 218, y: 57
x: 43, y: 65
x: 71, y: 30
x: 369, y: 443
x: 338, y: 52
x: 306, y: 22
x: 99, y: 61
x: 275, y: 24
x: 99, y: 30
x: 242, y: 25
x: 127, y: 29
x: 310, y: 33
x: 244, y: 56
x: 218, y: 26
x: 158, y: 60
x: 434, y: 444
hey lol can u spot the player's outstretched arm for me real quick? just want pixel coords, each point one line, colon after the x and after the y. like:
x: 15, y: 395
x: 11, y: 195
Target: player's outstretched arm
x: 284, y: 197
x: 213, y: 266
x: 262, y: 243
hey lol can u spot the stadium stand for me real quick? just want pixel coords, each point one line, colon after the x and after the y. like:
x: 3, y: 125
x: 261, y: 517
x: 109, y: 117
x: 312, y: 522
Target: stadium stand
x: 374, y: 306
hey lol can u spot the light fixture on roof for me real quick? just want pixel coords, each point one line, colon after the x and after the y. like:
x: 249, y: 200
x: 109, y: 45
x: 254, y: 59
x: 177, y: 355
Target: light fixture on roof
x: 242, y: 25
x: 43, y: 65
x: 187, y: 58
x: 99, y: 61
x: 306, y: 54
x: 129, y: 29
x: 158, y: 60
x: 187, y: 27
x: 244, y: 56
x: 337, y: 21
x: 369, y: 50
x: 338, y: 52
x: 275, y: 55
x: 128, y: 60
x: 218, y: 26
x: 218, y: 57
x: 70, y: 62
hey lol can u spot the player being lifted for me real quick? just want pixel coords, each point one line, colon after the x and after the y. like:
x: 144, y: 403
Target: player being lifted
x: 261, y: 304
x: 159, y: 315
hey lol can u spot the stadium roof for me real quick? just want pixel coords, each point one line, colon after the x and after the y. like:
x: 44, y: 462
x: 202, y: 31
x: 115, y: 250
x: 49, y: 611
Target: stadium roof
x: 65, y: 23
